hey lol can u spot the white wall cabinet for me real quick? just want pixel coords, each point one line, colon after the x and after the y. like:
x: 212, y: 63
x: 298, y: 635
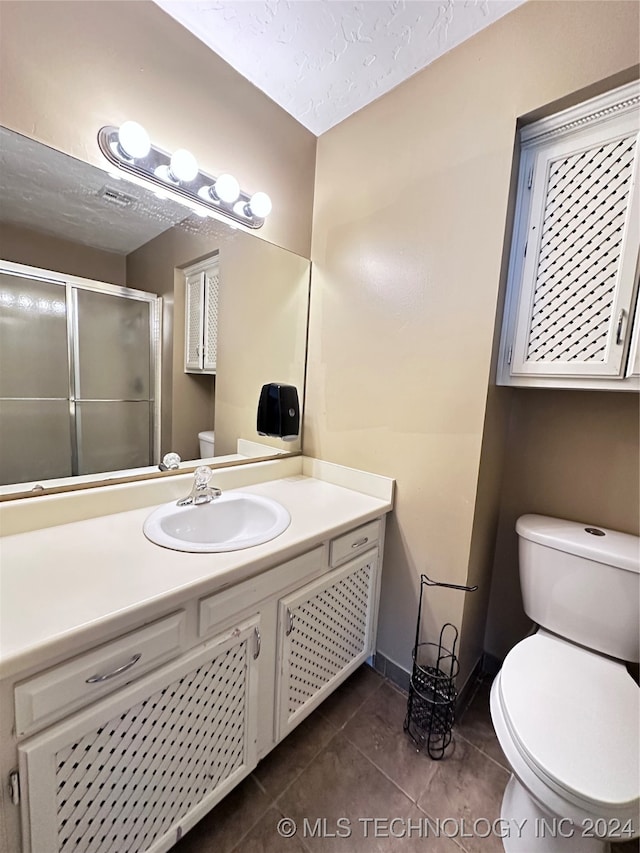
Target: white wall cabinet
x: 222, y: 680
x: 202, y: 285
x: 571, y: 309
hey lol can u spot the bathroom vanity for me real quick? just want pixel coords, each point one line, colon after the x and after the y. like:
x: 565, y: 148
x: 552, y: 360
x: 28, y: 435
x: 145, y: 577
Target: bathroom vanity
x: 141, y: 684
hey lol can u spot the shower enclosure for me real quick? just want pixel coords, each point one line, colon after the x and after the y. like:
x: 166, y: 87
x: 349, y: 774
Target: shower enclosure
x: 79, y: 368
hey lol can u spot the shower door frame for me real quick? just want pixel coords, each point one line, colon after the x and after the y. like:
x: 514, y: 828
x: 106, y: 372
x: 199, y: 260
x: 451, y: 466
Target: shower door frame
x: 71, y: 307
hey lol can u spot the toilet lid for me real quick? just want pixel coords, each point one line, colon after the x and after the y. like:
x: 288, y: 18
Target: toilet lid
x: 575, y: 716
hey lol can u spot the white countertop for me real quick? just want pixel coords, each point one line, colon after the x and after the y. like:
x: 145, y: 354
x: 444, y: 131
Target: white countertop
x: 65, y: 587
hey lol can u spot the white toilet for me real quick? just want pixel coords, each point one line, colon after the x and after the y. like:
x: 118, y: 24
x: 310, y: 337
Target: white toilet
x: 565, y: 709
x: 207, y: 441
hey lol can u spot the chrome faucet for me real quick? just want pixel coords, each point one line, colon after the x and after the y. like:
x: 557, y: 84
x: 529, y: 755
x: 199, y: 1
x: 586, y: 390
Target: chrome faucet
x: 201, y: 492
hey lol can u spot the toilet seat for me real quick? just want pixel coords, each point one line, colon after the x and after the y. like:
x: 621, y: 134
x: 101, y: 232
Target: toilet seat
x: 573, y: 717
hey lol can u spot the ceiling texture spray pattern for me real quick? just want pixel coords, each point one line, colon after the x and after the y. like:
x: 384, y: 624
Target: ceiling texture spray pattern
x: 322, y: 60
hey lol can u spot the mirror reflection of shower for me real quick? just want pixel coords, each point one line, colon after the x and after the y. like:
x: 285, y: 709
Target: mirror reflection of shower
x: 78, y: 376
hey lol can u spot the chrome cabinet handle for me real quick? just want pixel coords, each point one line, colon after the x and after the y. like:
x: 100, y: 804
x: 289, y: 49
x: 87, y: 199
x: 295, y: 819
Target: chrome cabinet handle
x: 360, y: 542
x: 256, y: 654
x: 619, y: 327
x: 98, y: 679
x: 289, y: 622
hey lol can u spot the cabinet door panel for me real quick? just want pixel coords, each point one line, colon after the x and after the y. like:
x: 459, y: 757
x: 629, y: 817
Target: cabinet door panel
x: 324, y: 633
x: 139, y: 768
x: 581, y: 249
x: 194, y: 297
x: 210, y: 322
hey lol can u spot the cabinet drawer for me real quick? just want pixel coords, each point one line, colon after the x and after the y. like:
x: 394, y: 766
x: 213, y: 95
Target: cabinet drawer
x: 65, y: 688
x: 216, y: 608
x: 355, y: 542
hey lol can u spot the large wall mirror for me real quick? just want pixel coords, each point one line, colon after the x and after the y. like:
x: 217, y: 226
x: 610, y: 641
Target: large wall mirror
x: 93, y: 379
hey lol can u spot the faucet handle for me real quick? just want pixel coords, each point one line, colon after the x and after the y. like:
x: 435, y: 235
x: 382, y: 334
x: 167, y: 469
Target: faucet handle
x: 170, y: 461
x: 203, y: 476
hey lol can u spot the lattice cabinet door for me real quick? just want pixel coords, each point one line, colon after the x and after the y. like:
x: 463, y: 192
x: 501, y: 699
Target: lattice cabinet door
x: 325, y: 631
x: 194, y: 305
x: 210, y: 322
x: 573, y: 268
x: 131, y: 773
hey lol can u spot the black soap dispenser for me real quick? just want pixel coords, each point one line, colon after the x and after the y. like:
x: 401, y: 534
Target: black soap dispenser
x: 279, y: 411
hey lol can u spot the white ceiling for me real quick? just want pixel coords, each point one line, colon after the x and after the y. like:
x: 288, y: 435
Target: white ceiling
x: 322, y: 60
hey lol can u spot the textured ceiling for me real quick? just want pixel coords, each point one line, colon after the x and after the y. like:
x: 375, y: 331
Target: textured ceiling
x: 322, y: 60
x: 47, y: 191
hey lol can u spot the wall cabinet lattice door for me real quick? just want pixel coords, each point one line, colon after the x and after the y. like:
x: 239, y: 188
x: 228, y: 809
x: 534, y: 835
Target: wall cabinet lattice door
x: 202, y: 285
x: 573, y: 271
x: 134, y: 771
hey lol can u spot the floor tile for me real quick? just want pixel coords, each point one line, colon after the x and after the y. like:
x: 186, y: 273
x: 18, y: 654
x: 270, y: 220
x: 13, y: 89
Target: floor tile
x: 626, y: 846
x: 336, y: 799
x: 265, y: 838
x: 278, y: 769
x: 467, y: 786
x: 475, y: 725
x: 349, y: 697
x: 233, y: 817
x: 377, y: 730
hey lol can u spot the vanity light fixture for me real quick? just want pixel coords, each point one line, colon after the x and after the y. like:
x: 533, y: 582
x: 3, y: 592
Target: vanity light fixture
x: 178, y: 177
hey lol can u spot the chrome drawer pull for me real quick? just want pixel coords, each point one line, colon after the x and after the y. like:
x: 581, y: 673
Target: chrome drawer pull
x: 97, y: 679
x: 256, y: 654
x: 360, y: 542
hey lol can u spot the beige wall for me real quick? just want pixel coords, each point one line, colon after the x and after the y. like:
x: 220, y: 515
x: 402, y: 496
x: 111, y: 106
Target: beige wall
x: 68, y: 68
x: 409, y: 221
x: 262, y: 335
x: 187, y: 399
x: 262, y: 327
x: 25, y: 246
x: 570, y: 454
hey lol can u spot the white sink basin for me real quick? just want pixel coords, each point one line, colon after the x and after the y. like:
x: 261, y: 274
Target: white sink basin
x: 233, y: 521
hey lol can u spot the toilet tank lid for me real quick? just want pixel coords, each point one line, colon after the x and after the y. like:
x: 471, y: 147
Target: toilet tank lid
x: 207, y: 435
x: 621, y: 550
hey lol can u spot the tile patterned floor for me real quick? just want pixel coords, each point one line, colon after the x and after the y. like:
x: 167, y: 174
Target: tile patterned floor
x: 349, y: 763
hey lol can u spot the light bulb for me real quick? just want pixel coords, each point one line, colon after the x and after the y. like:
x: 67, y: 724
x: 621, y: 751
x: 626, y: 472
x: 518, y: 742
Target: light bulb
x: 227, y: 188
x: 260, y: 205
x: 184, y: 166
x: 134, y: 140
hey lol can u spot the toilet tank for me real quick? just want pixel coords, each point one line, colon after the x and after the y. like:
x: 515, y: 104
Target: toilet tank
x: 206, y: 439
x: 582, y: 583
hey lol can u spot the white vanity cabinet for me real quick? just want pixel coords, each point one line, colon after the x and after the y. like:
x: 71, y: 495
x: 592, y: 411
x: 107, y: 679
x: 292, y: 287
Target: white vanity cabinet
x: 132, y: 766
x: 202, y: 284
x: 136, y: 770
x: 571, y: 316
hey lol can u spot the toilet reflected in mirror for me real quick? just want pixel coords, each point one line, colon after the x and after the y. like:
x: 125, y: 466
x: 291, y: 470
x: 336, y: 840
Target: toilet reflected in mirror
x: 206, y: 439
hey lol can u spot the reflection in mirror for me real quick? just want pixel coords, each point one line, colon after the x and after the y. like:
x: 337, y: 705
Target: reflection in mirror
x: 89, y: 360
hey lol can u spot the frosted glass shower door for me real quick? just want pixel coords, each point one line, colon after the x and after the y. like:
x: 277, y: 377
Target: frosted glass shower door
x: 114, y: 405
x: 35, y: 432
